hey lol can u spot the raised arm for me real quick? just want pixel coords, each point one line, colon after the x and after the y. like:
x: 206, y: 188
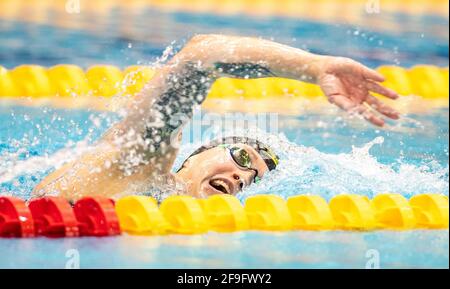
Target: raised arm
x: 191, y: 72
x: 344, y: 81
x: 142, y: 147
x: 156, y: 115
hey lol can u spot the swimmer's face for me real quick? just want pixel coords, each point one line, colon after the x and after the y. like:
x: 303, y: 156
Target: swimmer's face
x: 215, y: 172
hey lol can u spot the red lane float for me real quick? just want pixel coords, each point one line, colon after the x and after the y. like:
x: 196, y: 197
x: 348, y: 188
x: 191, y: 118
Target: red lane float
x: 91, y: 216
x: 97, y: 217
x: 15, y: 218
x: 54, y: 217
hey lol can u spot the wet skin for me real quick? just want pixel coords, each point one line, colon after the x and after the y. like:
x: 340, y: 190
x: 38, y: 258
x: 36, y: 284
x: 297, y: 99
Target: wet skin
x: 214, y: 172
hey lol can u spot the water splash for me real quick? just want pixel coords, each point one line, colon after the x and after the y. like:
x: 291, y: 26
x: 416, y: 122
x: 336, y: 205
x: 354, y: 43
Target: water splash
x: 43, y: 139
x: 306, y: 170
x: 13, y: 167
x: 301, y: 170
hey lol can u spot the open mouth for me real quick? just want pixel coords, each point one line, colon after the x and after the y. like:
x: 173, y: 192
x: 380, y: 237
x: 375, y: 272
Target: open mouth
x: 220, y: 185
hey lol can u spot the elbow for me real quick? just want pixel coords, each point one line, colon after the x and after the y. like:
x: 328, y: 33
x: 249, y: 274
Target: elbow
x: 203, y: 38
x: 201, y: 47
x: 195, y: 48
x: 199, y: 38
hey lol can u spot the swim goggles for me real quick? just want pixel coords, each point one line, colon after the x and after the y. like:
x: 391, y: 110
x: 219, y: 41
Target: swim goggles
x: 241, y: 157
x: 268, y: 156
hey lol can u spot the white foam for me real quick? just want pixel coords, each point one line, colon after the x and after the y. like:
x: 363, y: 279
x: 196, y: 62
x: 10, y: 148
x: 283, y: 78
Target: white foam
x: 14, y: 167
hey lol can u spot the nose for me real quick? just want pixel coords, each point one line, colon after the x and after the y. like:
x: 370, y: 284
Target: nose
x: 239, y: 181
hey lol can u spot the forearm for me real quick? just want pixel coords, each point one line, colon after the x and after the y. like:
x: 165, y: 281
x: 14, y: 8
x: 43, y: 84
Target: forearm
x: 241, y: 57
x: 100, y: 172
x: 212, y: 56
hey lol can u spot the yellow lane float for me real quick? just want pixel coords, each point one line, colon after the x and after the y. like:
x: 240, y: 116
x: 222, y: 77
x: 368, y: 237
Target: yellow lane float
x: 32, y: 80
x: 135, y: 77
x: 430, y: 210
x: 224, y: 213
x: 397, y: 79
x: 68, y: 80
x: 184, y: 215
x: 7, y: 85
x: 393, y: 211
x: 140, y: 215
x: 105, y: 80
x: 352, y: 212
x: 310, y: 213
x: 429, y: 82
x: 268, y: 212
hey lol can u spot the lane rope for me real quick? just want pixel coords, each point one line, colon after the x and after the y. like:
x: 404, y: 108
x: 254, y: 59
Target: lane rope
x: 141, y: 215
x: 67, y: 80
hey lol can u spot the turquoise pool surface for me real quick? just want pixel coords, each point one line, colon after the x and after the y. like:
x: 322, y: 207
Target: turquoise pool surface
x: 412, y: 249
x: 317, y: 159
x: 325, y: 153
x: 415, y: 40
x: 322, y: 152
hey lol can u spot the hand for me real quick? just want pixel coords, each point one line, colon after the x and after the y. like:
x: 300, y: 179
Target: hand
x: 348, y: 83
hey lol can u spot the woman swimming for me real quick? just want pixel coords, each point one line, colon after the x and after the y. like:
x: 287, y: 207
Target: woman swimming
x: 137, y: 154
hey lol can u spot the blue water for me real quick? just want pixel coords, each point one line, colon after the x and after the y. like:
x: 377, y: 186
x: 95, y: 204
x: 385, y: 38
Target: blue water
x: 416, y: 40
x: 412, y: 249
x: 407, y: 162
x: 325, y: 159
x: 323, y: 152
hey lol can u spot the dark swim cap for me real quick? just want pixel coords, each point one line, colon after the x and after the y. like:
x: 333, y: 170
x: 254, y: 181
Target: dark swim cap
x: 269, y: 157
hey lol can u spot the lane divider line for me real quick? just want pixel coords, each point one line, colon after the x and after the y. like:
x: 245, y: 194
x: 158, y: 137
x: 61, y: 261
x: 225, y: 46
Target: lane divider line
x: 67, y: 80
x: 140, y: 215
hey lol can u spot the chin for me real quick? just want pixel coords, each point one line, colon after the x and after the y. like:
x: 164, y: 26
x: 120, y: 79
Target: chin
x: 204, y: 191
x: 196, y: 192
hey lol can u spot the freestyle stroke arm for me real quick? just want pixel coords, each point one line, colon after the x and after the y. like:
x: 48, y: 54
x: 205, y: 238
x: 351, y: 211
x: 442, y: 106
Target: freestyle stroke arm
x: 142, y: 147
x: 345, y: 82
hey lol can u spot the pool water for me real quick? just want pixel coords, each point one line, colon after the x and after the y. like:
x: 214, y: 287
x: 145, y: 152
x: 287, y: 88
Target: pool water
x: 324, y: 151
x: 249, y: 250
x: 345, y: 156
x: 410, y: 40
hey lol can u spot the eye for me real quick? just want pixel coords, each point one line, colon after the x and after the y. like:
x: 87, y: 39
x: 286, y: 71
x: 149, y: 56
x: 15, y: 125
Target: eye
x: 242, y: 157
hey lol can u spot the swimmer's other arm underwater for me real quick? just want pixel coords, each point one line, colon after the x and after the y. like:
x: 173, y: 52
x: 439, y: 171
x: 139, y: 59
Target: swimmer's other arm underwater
x: 139, y: 151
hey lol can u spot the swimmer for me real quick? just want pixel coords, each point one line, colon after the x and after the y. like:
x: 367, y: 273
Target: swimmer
x: 137, y: 154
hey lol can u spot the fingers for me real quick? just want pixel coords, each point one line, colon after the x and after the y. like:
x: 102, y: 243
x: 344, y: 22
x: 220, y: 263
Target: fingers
x: 382, y: 108
x: 346, y: 104
x: 342, y: 101
x: 369, y: 115
x: 375, y: 87
x: 372, y: 74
